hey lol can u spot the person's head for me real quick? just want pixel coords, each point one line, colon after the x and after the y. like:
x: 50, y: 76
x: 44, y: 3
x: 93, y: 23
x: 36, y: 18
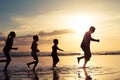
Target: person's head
x: 92, y: 29
x: 12, y: 34
x: 55, y: 41
x: 35, y: 38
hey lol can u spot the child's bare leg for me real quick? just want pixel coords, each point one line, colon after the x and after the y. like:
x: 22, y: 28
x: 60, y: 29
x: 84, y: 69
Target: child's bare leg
x: 35, y: 64
x: 7, y: 63
x: 28, y: 64
x: 78, y: 58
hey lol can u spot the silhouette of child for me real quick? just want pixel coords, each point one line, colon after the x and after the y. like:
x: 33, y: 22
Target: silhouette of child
x: 34, y: 52
x: 8, y: 47
x: 85, y: 45
x: 54, y: 52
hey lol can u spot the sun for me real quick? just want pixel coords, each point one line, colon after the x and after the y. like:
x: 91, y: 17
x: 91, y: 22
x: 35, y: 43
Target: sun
x: 80, y: 23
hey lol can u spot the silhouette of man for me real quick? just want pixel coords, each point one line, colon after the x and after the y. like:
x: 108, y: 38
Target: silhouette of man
x: 85, y: 45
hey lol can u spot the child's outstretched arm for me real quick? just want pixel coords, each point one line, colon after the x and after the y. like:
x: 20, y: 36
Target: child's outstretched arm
x: 38, y: 50
x: 60, y: 49
x: 14, y: 48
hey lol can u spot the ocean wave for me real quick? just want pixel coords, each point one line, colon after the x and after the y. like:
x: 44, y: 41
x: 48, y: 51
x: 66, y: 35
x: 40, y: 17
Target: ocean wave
x: 21, y: 54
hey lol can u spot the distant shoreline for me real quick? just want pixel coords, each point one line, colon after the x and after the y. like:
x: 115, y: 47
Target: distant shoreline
x: 22, y: 54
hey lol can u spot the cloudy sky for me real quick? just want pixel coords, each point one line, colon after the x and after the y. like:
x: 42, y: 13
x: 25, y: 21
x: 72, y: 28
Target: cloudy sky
x: 66, y: 20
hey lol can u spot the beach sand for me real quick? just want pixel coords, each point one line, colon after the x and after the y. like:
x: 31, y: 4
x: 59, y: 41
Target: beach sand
x: 100, y: 67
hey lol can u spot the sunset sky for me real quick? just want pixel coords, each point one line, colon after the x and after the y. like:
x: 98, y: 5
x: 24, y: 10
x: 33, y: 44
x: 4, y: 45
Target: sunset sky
x: 66, y: 20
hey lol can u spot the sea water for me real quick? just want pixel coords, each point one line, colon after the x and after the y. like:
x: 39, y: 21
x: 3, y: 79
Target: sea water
x: 100, y: 67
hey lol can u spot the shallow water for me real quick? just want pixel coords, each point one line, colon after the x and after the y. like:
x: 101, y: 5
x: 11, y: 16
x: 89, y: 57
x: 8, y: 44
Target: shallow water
x: 100, y: 67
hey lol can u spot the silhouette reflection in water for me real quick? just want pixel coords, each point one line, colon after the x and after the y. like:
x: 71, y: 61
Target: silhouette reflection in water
x: 55, y: 75
x: 6, y: 75
x: 82, y: 74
